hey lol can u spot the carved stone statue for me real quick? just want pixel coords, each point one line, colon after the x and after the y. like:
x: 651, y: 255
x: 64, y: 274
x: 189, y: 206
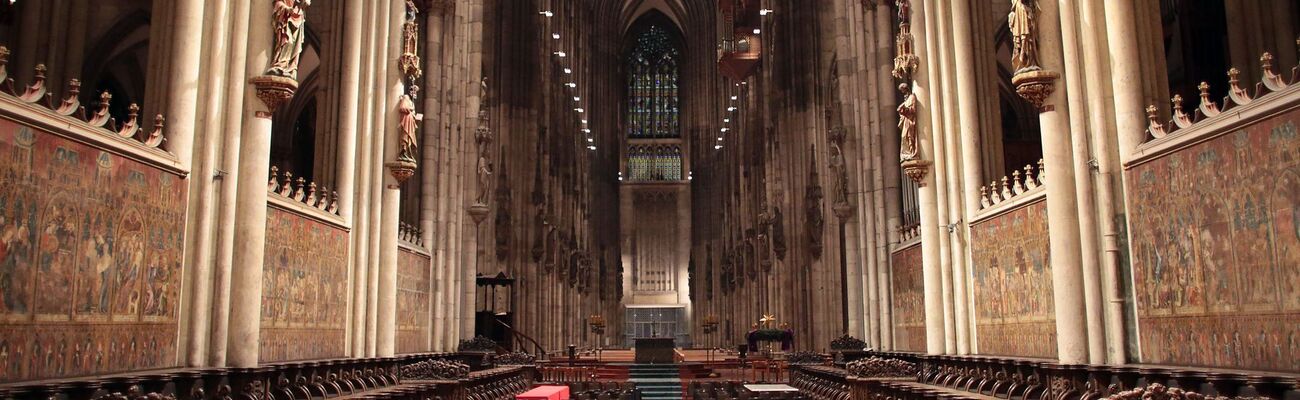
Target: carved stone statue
x: 814, y: 222
x: 407, y: 122
x: 907, y: 148
x: 290, y: 31
x: 484, y: 179
x: 1023, y: 24
x: 778, y: 233
x: 483, y: 137
x: 904, y: 10
x: 839, y: 175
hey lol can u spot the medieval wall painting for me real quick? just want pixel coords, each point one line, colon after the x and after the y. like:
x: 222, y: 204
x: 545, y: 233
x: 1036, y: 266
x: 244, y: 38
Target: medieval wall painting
x: 90, y: 255
x: 304, y: 288
x: 1014, y: 314
x: 413, y: 286
x: 909, y: 299
x: 1216, y: 250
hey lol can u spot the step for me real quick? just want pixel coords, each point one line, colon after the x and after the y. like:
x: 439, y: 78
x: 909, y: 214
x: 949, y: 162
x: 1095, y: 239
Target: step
x: 655, y: 376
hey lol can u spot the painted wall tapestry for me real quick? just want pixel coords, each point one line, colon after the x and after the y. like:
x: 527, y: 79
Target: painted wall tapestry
x: 1014, y: 314
x: 304, y: 288
x: 1216, y: 250
x: 90, y: 259
x: 413, y: 286
x: 909, y: 300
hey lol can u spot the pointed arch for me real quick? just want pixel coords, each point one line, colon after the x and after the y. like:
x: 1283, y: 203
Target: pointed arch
x: 635, y: 10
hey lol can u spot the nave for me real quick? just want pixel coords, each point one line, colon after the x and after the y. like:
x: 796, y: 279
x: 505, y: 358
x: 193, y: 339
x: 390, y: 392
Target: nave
x: 649, y: 199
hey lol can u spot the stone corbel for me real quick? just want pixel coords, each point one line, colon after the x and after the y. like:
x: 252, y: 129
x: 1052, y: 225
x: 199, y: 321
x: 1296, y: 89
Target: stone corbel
x: 1035, y: 86
x: 916, y: 170
x: 274, y: 91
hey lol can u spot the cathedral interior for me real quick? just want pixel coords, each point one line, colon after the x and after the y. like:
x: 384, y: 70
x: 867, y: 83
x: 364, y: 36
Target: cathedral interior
x: 649, y: 199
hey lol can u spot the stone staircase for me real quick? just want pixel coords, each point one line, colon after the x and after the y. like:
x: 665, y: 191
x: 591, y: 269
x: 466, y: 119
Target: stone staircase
x: 657, y: 381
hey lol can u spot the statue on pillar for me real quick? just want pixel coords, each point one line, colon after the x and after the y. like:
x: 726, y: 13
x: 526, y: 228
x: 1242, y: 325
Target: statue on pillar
x: 813, y: 219
x: 1023, y: 24
x: 408, y: 118
x: 290, y: 18
x: 839, y: 176
x: 1032, y: 82
x: 907, y: 149
x: 484, y: 179
x: 483, y: 137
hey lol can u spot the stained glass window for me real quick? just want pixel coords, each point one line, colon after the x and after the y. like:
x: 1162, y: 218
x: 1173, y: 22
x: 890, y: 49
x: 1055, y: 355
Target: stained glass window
x: 652, y: 85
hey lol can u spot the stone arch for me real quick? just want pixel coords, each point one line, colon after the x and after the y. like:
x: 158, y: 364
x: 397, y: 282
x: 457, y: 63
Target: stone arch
x: 117, y: 63
x: 635, y: 10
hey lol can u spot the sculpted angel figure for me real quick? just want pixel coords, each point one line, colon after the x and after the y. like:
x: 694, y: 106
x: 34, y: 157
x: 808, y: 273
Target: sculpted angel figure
x: 907, y: 149
x: 290, y: 31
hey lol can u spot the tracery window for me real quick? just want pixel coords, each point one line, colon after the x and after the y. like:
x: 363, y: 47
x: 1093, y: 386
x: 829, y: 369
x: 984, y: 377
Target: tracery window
x: 652, y: 85
x: 654, y: 162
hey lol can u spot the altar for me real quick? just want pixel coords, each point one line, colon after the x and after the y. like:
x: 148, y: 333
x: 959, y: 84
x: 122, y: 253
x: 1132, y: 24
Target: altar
x: 654, y: 350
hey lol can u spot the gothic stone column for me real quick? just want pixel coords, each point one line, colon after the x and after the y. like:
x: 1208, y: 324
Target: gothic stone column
x: 1038, y: 60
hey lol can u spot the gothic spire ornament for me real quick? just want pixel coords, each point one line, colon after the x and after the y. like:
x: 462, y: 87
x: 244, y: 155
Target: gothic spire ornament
x: 906, y: 61
x: 410, y: 60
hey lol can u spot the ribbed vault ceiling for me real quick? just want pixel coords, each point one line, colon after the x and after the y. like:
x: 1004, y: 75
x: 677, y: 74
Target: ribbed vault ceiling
x: 633, y: 9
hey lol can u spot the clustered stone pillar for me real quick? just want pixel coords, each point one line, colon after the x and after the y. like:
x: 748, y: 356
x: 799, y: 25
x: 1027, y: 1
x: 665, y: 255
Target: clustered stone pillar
x: 209, y: 74
x: 392, y: 90
x: 250, y: 206
x: 1047, y: 92
x: 1060, y: 70
x: 434, y: 78
x: 201, y: 233
x: 918, y: 169
x: 865, y: 92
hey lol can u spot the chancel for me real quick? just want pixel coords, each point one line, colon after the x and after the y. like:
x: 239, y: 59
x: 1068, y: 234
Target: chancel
x: 649, y: 199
